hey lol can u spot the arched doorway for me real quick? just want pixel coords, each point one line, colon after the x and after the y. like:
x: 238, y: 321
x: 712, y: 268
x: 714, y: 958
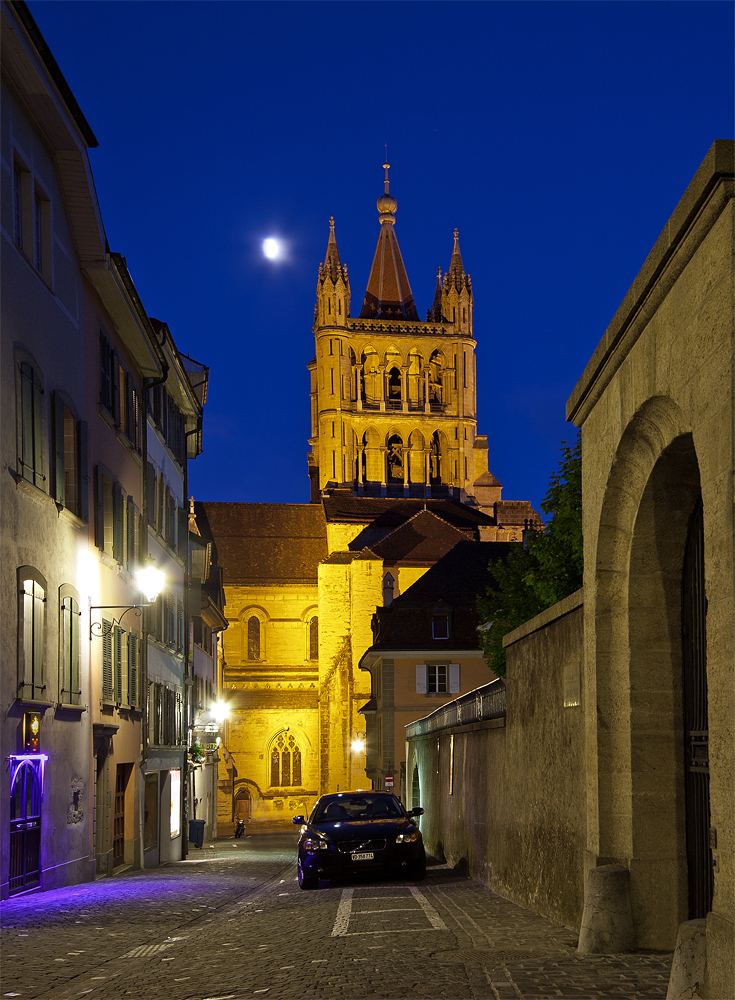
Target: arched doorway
x: 242, y: 806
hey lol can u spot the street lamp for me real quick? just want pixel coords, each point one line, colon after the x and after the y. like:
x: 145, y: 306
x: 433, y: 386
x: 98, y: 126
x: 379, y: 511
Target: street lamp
x: 358, y: 744
x: 149, y: 581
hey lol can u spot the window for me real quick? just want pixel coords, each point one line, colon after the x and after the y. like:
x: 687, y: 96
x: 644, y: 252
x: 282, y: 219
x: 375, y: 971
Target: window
x: 133, y: 534
x: 388, y: 584
x: 32, y: 633
x: 31, y: 425
x: 119, y: 647
x: 132, y: 412
x: 20, y: 178
x: 69, y: 622
x: 110, y: 369
x: 108, y: 691
x: 285, y: 761
x: 179, y: 627
x: 436, y: 678
x: 253, y: 638
x: 440, y: 626
x: 314, y: 638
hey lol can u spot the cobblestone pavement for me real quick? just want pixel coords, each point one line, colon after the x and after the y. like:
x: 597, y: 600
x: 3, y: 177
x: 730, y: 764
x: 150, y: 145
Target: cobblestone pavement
x: 231, y: 923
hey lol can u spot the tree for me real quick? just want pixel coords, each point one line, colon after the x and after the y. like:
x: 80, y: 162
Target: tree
x: 548, y: 568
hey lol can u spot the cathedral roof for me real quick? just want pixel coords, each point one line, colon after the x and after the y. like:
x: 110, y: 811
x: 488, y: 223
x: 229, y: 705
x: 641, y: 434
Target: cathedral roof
x: 262, y: 542
x: 388, y: 294
x: 424, y: 538
x: 389, y: 512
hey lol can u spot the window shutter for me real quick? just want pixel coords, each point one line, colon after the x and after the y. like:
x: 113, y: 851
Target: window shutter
x: 454, y: 678
x: 99, y: 508
x: 183, y: 534
x: 105, y: 374
x: 26, y: 403
x: 170, y: 620
x: 107, y: 691
x: 179, y: 626
x: 59, y: 480
x: 132, y: 525
x: 420, y: 678
x: 151, y: 493
x: 159, y: 617
x: 83, y: 482
x: 161, y: 507
x: 65, y: 630
x: 133, y: 669
x: 39, y: 633
x: 118, y: 658
x: 115, y: 388
x: 38, y: 476
x: 118, y: 529
x: 75, y: 616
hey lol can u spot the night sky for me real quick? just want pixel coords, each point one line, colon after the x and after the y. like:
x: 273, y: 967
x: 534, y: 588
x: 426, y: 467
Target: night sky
x: 557, y: 137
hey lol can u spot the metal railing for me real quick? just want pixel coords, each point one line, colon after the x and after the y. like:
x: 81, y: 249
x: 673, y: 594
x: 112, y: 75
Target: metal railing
x: 487, y: 702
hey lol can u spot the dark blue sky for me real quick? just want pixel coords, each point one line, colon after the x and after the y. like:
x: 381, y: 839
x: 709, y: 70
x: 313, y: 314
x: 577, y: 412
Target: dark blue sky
x: 558, y: 138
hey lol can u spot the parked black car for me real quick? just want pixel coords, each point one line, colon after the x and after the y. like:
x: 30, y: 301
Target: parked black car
x: 353, y: 832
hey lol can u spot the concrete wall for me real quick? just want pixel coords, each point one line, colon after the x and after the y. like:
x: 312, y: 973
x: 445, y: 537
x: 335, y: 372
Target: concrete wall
x: 514, y: 811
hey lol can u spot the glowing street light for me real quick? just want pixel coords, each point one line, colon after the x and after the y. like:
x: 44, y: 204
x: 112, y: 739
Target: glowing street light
x: 219, y: 711
x: 358, y: 744
x: 149, y: 581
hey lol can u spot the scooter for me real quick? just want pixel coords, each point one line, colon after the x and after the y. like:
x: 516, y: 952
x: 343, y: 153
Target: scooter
x: 239, y: 828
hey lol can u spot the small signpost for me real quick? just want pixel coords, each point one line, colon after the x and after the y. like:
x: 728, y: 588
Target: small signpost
x: 388, y: 779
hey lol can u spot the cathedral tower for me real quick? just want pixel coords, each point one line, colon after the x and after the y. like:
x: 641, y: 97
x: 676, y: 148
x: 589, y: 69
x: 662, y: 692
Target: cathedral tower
x: 393, y: 399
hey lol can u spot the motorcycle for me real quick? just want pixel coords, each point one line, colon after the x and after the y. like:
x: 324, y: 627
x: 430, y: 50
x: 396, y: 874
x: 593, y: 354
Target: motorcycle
x: 239, y: 828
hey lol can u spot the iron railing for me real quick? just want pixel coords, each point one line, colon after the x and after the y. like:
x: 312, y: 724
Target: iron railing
x: 487, y: 702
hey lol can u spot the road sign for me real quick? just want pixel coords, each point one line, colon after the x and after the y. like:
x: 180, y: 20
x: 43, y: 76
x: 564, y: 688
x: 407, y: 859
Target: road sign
x: 388, y: 780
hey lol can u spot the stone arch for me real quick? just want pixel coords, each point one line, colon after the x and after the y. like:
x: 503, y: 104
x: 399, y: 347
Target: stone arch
x: 651, y: 493
x: 369, y: 376
x: 416, y: 379
x: 437, y: 364
x: 439, y: 471
x: 393, y: 356
x: 253, y: 621
x: 373, y: 456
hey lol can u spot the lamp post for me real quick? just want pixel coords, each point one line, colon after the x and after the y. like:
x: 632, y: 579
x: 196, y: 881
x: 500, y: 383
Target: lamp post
x: 149, y: 581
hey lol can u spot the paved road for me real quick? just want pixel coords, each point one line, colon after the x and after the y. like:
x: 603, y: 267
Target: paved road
x: 231, y: 923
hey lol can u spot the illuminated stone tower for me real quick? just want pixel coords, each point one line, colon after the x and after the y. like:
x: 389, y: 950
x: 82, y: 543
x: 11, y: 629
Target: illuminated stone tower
x: 393, y: 398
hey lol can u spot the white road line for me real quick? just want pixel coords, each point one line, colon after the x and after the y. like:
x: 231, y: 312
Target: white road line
x: 343, y: 913
x: 431, y: 914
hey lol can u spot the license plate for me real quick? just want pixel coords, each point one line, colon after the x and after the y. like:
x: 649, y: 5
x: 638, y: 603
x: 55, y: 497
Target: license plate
x: 363, y: 857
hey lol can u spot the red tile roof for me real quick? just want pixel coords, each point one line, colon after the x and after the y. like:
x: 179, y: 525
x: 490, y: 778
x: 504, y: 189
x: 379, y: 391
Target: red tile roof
x: 424, y: 538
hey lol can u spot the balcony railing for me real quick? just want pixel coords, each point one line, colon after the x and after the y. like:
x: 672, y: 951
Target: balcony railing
x: 487, y: 702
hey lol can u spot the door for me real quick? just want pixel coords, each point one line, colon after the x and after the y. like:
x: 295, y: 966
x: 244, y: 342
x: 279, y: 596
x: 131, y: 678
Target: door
x: 696, y: 734
x: 118, y: 838
x: 25, y: 826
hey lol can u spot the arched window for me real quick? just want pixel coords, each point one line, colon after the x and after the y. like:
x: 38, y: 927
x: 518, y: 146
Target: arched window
x: 285, y: 761
x: 32, y: 639
x: 314, y: 638
x: 394, y: 384
x: 253, y: 638
x: 387, y: 590
x: 395, y: 459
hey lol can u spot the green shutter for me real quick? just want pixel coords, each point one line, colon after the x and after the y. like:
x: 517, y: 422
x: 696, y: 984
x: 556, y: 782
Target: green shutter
x: 99, y: 508
x: 107, y: 691
x: 39, y: 634
x: 59, y: 483
x: 115, y: 388
x: 132, y: 519
x: 118, y: 530
x: 75, y: 616
x: 83, y: 472
x: 26, y: 404
x: 118, y: 658
x: 151, y: 493
x: 132, y: 669
x: 38, y: 477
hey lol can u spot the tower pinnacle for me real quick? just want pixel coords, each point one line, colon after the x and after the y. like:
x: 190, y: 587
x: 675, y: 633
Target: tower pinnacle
x: 388, y: 294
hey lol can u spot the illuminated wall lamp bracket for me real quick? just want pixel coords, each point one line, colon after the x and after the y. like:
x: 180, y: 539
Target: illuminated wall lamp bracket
x: 104, y: 627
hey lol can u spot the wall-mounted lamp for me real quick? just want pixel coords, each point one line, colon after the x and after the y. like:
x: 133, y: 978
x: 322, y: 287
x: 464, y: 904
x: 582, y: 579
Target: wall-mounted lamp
x: 149, y: 581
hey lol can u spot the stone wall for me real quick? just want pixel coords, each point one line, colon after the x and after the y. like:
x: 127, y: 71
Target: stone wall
x: 505, y: 799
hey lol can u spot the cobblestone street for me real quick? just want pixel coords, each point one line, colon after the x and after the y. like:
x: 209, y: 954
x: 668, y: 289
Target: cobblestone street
x: 231, y: 923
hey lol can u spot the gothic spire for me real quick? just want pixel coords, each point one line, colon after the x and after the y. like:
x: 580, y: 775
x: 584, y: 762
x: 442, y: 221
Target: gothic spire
x: 435, y: 313
x: 388, y: 294
x: 456, y: 267
x: 332, y: 263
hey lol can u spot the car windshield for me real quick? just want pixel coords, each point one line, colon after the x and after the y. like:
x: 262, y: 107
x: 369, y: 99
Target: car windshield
x: 356, y: 807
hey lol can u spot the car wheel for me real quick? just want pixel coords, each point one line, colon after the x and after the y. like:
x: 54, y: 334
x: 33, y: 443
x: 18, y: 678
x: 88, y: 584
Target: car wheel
x: 416, y: 871
x: 306, y: 881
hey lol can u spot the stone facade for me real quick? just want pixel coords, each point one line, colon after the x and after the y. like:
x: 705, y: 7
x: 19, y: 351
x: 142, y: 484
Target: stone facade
x: 655, y: 405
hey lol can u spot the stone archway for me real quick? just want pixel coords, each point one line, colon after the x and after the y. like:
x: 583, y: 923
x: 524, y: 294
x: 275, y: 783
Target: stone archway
x: 652, y: 491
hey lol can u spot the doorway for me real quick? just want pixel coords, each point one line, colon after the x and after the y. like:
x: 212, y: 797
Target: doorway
x: 25, y: 826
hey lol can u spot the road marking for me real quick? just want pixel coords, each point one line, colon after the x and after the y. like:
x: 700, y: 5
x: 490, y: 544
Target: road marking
x: 345, y: 912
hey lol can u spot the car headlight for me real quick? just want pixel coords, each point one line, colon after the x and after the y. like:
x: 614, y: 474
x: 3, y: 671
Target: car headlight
x: 407, y: 838
x: 315, y: 844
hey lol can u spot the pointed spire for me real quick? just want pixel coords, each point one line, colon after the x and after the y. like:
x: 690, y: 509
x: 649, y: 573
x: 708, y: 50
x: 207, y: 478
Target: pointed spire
x: 332, y: 263
x: 456, y: 267
x: 435, y: 313
x: 388, y: 293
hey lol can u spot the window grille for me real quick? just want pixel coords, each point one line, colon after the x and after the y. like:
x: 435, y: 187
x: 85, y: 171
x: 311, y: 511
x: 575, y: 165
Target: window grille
x: 285, y: 760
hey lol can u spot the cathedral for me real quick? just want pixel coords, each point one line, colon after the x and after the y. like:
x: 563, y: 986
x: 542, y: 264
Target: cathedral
x: 398, y: 477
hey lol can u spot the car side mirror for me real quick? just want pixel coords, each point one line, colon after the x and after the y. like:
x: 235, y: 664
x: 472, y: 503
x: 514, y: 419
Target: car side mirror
x: 298, y: 819
x: 418, y: 811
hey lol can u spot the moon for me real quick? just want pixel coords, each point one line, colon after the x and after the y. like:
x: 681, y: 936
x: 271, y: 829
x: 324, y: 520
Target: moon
x: 272, y: 248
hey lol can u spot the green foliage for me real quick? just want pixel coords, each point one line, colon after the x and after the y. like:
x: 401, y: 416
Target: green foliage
x: 548, y: 569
